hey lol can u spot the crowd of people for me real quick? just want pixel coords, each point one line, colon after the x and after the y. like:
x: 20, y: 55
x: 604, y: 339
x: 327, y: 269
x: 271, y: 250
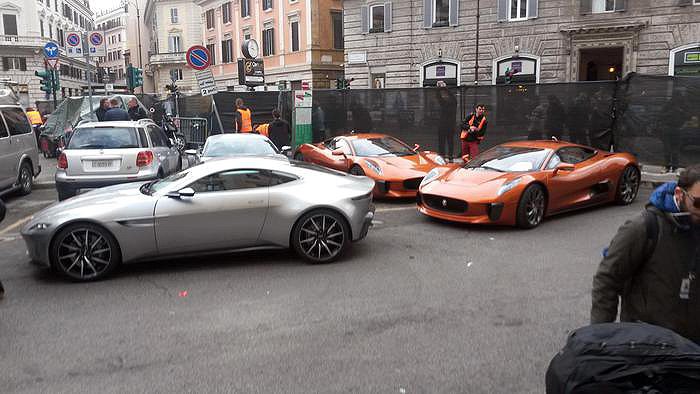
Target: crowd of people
x: 112, y: 110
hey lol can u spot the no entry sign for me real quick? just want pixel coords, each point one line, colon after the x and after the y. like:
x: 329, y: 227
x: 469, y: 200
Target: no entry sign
x: 198, y: 57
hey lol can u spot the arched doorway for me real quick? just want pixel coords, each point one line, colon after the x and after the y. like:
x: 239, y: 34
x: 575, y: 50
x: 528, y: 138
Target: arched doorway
x: 445, y: 70
x: 685, y: 61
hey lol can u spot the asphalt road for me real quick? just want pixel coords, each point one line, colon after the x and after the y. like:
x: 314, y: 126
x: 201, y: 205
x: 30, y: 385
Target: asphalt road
x: 419, y: 306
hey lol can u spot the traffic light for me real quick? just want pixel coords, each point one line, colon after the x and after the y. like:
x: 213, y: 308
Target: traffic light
x: 137, y: 76
x: 46, y: 80
x: 172, y: 88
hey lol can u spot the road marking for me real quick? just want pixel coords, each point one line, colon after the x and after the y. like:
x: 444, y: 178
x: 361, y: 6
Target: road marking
x: 411, y: 208
x: 15, y: 225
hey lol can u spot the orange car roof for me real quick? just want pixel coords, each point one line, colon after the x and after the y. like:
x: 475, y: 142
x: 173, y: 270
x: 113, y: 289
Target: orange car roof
x: 542, y: 144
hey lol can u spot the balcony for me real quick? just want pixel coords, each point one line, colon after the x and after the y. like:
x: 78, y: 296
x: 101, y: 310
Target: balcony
x: 23, y: 41
x: 168, y: 58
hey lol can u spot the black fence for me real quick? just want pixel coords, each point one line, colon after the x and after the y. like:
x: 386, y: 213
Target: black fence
x: 656, y: 118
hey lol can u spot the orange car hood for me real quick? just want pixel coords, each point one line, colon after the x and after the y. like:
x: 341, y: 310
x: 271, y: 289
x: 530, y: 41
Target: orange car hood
x: 471, y: 177
x: 413, y: 162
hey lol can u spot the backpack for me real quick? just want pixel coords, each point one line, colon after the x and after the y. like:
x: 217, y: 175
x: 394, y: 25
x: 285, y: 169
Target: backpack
x: 625, y: 358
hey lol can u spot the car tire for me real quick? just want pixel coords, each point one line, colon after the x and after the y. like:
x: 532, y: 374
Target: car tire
x: 321, y: 236
x: 357, y: 170
x: 84, y: 252
x: 531, y: 207
x: 628, y: 186
x: 25, y: 179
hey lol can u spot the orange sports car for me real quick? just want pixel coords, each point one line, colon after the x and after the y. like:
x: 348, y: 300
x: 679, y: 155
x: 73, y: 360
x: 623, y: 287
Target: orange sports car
x: 396, y: 168
x: 519, y: 183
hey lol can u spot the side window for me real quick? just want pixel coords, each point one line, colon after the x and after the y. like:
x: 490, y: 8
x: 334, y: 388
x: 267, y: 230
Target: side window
x: 3, y: 129
x: 143, y: 139
x: 163, y: 137
x: 156, y: 139
x: 17, y: 122
x: 553, y: 162
x: 279, y: 178
x: 344, y: 146
x: 231, y: 180
x: 330, y: 144
x: 575, y: 155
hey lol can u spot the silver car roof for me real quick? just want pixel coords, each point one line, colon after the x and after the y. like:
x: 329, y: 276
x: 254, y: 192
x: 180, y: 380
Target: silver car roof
x: 119, y: 123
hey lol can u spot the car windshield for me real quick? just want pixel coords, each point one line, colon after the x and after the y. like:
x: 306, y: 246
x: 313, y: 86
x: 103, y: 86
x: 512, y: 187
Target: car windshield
x: 158, y: 185
x: 104, y: 138
x: 510, y: 159
x: 381, y: 146
x: 238, y: 146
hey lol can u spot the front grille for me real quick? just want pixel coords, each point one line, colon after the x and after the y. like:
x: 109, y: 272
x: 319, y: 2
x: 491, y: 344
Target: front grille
x: 445, y: 204
x: 412, y: 184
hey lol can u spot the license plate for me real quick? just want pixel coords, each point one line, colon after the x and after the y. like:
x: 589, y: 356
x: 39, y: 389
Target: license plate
x: 101, y: 163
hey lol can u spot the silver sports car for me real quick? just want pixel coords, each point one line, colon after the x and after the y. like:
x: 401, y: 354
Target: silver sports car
x: 219, y: 206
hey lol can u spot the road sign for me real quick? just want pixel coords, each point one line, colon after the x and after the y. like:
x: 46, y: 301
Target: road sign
x: 96, y: 44
x: 198, y: 57
x: 52, y: 63
x: 303, y: 99
x: 304, y: 85
x: 207, y: 84
x: 50, y: 50
x: 109, y: 87
x: 74, y: 44
x: 251, y: 72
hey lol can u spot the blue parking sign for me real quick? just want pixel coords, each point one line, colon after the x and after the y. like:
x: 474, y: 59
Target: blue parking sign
x: 50, y: 50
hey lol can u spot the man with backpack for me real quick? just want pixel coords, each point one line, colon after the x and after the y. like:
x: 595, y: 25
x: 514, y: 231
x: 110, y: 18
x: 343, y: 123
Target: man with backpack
x: 653, y: 263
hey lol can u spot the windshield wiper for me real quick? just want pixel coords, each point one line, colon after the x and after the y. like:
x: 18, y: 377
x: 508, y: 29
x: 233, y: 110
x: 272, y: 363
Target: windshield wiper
x: 387, y: 153
x: 492, y: 168
x: 91, y: 146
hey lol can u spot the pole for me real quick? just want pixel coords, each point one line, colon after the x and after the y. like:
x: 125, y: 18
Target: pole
x: 138, y: 27
x: 89, y: 80
x: 54, y: 73
x: 218, y: 118
x: 476, y: 60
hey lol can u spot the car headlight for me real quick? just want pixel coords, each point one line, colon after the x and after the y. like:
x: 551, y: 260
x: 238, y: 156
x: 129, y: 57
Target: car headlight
x: 439, y: 160
x: 509, y: 186
x: 431, y: 176
x: 39, y: 227
x: 373, y: 166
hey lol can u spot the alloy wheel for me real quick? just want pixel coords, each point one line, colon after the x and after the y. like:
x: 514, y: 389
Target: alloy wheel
x: 84, y: 254
x: 629, y: 185
x: 535, y: 206
x: 321, y: 237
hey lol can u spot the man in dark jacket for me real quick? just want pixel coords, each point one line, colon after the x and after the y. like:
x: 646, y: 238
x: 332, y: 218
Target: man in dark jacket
x: 473, y: 131
x: 116, y: 112
x: 447, y: 122
x: 279, y: 131
x: 135, y: 111
x: 102, y: 110
x: 656, y: 278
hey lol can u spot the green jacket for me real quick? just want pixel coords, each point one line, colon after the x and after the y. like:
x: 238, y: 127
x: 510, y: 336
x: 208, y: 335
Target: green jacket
x: 649, y: 287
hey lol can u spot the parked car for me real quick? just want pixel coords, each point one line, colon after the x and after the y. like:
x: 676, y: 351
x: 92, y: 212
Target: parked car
x: 235, y: 145
x: 106, y: 153
x: 218, y: 206
x: 396, y: 168
x: 519, y: 183
x: 19, y: 155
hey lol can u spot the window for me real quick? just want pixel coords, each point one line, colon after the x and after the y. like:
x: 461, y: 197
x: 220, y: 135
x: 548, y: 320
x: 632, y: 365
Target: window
x: 176, y: 74
x: 227, y: 51
x: 599, y: 6
x: 50, y: 31
x: 343, y: 145
x: 9, y: 21
x: 575, y: 155
x: 269, y: 41
x: 14, y: 63
x: 295, y: 36
x: 173, y: 15
x: 210, y: 19
x: 41, y: 27
x: 279, y: 178
x: 376, y: 22
x: 518, y: 9
x: 246, y: 34
x: 338, y: 39
x: 16, y: 121
x: 212, y: 52
x: 158, y: 138
x: 267, y: 5
x: 3, y: 130
x: 441, y: 14
x: 226, y: 12
x: 120, y: 37
x: 174, y: 44
x: 232, y: 180
x: 245, y: 8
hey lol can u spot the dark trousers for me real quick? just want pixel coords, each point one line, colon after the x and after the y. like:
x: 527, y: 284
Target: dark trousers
x: 446, y: 143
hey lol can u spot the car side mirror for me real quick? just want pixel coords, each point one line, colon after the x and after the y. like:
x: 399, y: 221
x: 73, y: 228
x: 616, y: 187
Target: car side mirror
x: 564, y: 167
x: 338, y: 152
x: 191, y: 152
x: 286, y: 149
x: 186, y: 192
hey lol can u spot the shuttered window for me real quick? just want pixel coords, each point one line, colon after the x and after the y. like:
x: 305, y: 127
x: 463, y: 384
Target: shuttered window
x: 376, y: 18
x: 440, y: 13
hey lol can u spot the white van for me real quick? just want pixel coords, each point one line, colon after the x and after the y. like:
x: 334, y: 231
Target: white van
x: 19, y: 155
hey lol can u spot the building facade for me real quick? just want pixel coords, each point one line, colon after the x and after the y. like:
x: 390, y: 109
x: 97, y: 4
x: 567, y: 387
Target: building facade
x: 173, y: 26
x: 25, y: 27
x: 300, y: 40
x: 113, y: 66
x: 416, y: 43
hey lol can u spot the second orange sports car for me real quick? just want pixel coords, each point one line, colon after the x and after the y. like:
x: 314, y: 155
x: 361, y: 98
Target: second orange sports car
x: 519, y: 183
x: 396, y: 168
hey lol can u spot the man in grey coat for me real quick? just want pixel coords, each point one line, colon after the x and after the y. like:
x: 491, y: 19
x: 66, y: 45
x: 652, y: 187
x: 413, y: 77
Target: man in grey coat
x: 653, y: 263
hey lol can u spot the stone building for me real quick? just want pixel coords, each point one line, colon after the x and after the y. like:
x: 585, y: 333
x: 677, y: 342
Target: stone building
x: 415, y: 43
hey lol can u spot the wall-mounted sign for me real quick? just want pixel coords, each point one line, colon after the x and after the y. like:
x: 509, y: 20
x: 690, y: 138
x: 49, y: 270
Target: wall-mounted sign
x: 251, y: 72
x: 357, y: 57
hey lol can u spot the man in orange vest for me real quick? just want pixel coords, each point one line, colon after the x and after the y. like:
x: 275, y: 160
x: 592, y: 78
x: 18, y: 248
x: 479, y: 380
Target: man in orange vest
x: 243, y: 117
x: 35, y: 120
x: 473, y: 132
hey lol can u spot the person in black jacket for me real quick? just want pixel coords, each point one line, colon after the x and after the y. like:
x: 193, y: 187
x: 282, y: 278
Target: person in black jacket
x: 115, y: 112
x: 135, y: 111
x: 473, y: 131
x: 447, y: 122
x: 279, y: 131
x: 102, y: 110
